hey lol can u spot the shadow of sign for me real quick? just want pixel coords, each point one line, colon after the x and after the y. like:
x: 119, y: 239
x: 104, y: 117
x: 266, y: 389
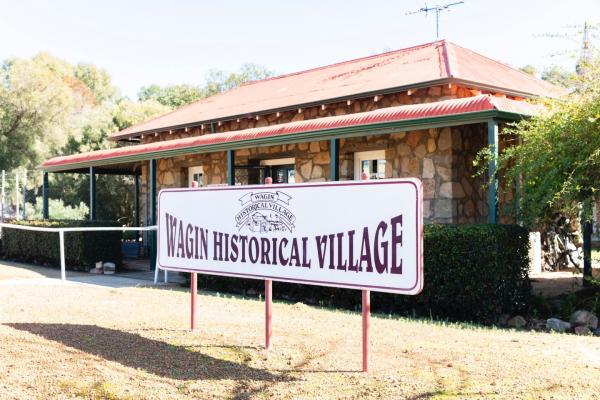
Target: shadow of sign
x: 135, y: 351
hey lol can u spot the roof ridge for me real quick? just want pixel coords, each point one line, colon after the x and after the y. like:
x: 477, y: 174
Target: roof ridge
x: 451, y: 67
x: 498, y: 62
x: 385, y: 53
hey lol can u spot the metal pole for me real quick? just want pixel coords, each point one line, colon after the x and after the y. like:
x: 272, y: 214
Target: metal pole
x: 268, y: 299
x: 366, y: 317
x: 231, y: 167
x: 3, y: 199
x: 63, y: 267
x: 137, y: 200
x: 45, y: 207
x: 194, y: 291
x: 493, y: 183
x: 24, y: 191
x: 268, y: 312
x: 586, y: 227
x: 334, y: 152
x: 152, y: 235
x: 92, y: 194
x: 17, y: 216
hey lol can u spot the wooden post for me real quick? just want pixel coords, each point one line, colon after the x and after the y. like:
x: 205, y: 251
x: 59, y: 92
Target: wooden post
x: 366, y: 321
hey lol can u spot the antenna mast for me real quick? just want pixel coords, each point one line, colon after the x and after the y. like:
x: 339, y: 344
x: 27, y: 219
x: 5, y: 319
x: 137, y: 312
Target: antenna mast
x: 438, y: 8
x: 586, y: 55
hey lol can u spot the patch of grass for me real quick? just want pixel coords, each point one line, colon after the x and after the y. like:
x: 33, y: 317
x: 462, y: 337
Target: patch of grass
x: 61, y: 347
x: 94, y: 391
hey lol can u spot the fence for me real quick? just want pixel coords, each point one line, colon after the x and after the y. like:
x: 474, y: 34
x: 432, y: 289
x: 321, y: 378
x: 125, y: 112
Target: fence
x: 61, y: 235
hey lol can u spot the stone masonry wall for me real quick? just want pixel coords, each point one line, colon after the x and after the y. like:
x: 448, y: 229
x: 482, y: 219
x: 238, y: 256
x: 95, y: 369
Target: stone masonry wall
x: 442, y: 158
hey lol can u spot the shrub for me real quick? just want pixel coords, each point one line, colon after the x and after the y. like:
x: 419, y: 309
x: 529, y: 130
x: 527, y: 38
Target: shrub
x: 472, y: 273
x: 475, y: 272
x: 82, y: 249
x: 57, y: 209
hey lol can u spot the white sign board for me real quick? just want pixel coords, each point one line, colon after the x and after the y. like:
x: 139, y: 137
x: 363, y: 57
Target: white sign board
x: 360, y: 235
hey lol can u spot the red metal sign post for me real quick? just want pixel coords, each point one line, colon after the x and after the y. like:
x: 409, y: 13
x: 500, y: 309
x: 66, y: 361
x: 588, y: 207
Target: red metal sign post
x: 366, y: 321
x: 260, y: 231
x: 268, y: 312
x: 268, y: 298
x: 194, y: 296
x: 366, y: 315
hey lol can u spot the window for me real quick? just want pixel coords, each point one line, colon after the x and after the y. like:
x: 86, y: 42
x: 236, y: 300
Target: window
x: 371, y: 162
x: 282, y: 170
x: 195, y: 176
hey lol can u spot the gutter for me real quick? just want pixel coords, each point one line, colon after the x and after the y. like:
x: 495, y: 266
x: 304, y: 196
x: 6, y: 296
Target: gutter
x: 317, y: 135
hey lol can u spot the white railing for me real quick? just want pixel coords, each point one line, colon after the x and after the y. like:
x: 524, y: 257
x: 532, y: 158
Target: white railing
x: 61, y: 235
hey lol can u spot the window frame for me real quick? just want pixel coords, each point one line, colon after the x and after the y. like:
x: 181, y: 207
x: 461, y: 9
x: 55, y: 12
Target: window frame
x: 369, y: 155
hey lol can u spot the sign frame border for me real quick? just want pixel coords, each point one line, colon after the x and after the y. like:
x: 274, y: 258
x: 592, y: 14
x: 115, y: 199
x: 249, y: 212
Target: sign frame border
x: 414, y: 290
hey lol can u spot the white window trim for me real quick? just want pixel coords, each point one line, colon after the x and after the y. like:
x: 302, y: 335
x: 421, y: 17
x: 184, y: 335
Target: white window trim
x: 360, y: 156
x: 278, y: 161
x: 195, y: 170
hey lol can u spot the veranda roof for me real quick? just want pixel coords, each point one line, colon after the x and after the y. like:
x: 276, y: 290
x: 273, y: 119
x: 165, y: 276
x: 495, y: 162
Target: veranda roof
x: 386, y: 120
x: 430, y: 64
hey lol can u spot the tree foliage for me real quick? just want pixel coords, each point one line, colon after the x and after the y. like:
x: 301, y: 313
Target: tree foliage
x: 559, y: 76
x: 555, y: 156
x: 171, y: 96
x: 36, y: 99
x: 529, y: 69
x: 217, y: 81
x: 51, y: 107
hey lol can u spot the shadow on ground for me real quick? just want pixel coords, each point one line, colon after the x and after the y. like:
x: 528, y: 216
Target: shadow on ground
x: 153, y: 356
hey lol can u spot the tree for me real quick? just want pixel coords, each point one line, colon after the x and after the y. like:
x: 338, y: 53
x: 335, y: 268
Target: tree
x: 559, y: 76
x: 173, y: 96
x: 36, y: 100
x: 217, y: 81
x: 98, y: 81
x: 129, y: 112
x: 220, y: 81
x: 529, y: 69
x: 115, y: 197
x: 557, y: 163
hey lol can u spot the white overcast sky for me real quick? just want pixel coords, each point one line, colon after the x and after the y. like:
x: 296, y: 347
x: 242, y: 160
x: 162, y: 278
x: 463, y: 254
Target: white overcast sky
x: 167, y: 42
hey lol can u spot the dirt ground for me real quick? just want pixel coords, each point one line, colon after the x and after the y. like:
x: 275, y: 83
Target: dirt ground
x: 70, y: 340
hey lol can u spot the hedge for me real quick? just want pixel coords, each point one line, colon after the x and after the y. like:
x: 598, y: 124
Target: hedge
x: 82, y: 249
x: 472, y: 273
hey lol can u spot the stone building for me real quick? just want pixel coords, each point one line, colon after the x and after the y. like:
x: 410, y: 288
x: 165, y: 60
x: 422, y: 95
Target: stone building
x: 423, y: 112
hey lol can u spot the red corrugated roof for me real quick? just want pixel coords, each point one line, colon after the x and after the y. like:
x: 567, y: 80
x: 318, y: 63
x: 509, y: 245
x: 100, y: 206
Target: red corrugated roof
x: 415, y: 66
x: 391, y: 114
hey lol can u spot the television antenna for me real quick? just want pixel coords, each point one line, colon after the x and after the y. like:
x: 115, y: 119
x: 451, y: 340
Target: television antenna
x: 438, y: 8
